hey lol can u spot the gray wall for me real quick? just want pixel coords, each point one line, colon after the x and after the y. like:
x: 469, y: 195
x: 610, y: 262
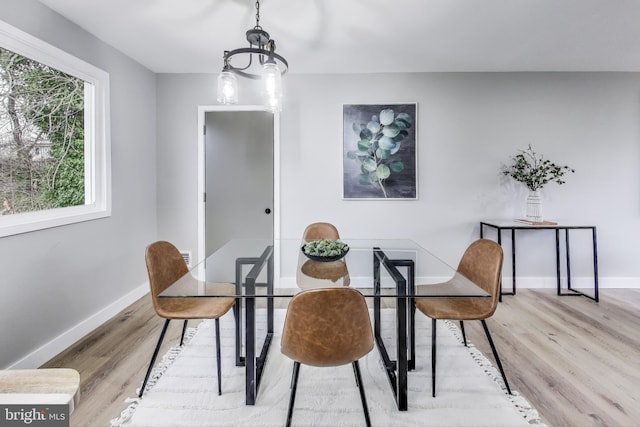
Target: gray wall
x: 62, y: 281
x: 469, y: 124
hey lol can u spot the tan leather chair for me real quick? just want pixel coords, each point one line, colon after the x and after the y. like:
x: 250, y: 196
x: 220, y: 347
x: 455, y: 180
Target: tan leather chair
x: 336, y: 271
x: 165, y: 265
x: 320, y: 230
x: 327, y: 327
x: 482, y: 264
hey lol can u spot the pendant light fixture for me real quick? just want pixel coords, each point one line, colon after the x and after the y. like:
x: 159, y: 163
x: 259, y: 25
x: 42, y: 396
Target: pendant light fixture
x: 260, y: 62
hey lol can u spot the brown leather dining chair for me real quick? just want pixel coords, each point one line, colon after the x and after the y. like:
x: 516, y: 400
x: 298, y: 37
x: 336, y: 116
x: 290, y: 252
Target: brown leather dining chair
x: 327, y: 327
x: 335, y: 271
x: 482, y: 264
x: 320, y: 230
x: 165, y: 265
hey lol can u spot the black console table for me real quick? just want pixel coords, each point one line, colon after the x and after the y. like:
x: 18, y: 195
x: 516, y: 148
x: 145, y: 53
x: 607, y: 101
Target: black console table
x: 512, y: 226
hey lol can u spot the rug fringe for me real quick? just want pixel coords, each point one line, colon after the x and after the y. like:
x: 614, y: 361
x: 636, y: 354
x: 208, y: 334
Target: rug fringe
x: 529, y: 413
x: 127, y: 413
x: 156, y: 373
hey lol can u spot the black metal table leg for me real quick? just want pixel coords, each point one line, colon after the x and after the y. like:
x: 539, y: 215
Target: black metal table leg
x: 557, y: 228
x: 513, y: 262
x: 595, y: 266
x: 237, y: 307
x: 558, y: 260
x: 397, y: 370
x: 513, y: 255
x: 262, y: 359
x: 250, y: 343
x: 567, y: 248
x: 573, y: 291
x: 254, y: 365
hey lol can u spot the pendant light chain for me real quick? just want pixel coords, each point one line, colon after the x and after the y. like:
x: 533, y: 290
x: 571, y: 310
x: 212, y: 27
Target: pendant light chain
x: 258, y: 15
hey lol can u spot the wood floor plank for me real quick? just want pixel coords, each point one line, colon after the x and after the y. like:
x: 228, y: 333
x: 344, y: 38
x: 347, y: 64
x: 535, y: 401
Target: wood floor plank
x: 574, y: 360
x: 583, y: 375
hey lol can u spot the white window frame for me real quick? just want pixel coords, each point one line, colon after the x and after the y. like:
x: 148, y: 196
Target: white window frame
x: 97, y: 136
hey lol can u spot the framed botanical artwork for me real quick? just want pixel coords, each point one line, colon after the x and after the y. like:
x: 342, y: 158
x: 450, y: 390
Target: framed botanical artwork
x: 379, y: 151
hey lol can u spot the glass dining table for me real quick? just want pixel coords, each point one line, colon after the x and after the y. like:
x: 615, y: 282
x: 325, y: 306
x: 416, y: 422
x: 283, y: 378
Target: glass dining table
x: 388, y: 272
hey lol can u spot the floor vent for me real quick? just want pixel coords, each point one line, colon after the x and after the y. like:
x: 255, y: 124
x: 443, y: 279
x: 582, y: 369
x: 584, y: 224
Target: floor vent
x: 186, y: 255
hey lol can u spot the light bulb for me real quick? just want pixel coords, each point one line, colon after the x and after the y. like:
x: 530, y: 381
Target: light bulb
x: 272, y: 86
x: 227, y: 88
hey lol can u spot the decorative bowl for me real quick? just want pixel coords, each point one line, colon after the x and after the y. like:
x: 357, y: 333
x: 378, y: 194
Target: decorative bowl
x: 325, y: 250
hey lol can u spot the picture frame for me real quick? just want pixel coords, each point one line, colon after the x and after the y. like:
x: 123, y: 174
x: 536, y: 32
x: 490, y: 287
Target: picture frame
x: 380, y: 151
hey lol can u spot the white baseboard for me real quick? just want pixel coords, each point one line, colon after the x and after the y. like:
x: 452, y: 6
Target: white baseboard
x: 521, y: 282
x: 69, y: 337
x: 576, y: 282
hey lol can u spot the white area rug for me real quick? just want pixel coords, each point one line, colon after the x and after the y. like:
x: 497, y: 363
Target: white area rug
x: 183, y: 387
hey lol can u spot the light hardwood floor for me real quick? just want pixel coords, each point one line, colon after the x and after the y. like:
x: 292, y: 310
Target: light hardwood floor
x: 576, y: 361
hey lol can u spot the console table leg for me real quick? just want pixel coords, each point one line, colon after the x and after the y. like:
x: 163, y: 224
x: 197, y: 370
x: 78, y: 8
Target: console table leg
x: 499, y: 243
x: 558, y: 260
x: 513, y: 259
x: 595, y: 266
x: 568, y: 254
x: 557, y: 228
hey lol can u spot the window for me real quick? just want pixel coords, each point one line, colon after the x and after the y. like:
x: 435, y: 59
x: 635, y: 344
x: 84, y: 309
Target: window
x: 54, y: 136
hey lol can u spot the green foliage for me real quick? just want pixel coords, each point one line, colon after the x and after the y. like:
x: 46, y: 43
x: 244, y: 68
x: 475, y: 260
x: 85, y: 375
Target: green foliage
x: 57, y: 109
x: 66, y: 185
x: 535, y: 171
x: 379, y: 140
x: 325, y: 247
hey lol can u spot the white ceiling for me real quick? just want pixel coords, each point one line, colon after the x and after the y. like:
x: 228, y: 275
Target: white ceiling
x: 349, y: 36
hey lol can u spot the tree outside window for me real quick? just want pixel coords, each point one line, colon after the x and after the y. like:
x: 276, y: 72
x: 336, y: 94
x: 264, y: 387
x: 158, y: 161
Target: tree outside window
x: 42, y: 141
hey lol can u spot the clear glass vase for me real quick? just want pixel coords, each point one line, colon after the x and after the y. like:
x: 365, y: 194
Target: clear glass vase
x: 534, y: 206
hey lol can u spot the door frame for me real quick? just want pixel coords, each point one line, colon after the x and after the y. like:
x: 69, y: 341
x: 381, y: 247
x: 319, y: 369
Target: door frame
x: 202, y: 111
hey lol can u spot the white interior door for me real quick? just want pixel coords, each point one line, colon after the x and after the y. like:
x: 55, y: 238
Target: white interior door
x: 239, y: 176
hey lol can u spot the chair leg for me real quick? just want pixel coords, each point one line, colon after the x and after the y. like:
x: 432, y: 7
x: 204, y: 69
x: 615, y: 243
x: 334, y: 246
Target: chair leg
x: 355, y: 374
x: 294, y: 386
x: 464, y: 336
x: 218, y: 357
x: 433, y: 357
x: 155, y: 354
x: 184, y: 329
x: 363, y: 397
x: 495, y: 354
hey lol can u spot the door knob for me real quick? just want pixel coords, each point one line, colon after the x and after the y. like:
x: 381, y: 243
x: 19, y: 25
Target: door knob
x: 267, y: 211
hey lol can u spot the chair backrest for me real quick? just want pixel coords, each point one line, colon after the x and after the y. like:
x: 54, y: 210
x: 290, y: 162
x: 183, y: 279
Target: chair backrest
x: 320, y: 230
x: 482, y: 264
x: 165, y: 265
x: 327, y: 327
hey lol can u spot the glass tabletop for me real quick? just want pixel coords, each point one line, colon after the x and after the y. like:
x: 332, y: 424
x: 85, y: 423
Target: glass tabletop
x: 279, y: 268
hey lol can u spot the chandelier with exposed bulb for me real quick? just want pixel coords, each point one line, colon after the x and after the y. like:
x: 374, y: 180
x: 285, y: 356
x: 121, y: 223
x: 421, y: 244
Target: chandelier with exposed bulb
x: 260, y: 62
